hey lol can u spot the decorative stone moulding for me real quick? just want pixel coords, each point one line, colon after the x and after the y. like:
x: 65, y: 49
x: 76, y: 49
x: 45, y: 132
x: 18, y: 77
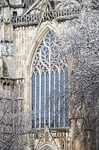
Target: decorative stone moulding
x: 34, y: 19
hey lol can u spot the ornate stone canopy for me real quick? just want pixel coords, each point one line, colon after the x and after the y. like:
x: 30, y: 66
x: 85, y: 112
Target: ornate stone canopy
x: 41, y: 11
x: 46, y: 142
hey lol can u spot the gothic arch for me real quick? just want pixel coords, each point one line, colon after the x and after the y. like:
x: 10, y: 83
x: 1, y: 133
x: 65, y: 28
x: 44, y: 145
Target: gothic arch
x: 49, y: 75
x: 47, y: 146
x: 40, y: 34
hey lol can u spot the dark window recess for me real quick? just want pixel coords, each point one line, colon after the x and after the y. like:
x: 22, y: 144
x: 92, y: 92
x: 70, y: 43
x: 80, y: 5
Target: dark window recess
x: 14, y: 13
x: 52, y: 4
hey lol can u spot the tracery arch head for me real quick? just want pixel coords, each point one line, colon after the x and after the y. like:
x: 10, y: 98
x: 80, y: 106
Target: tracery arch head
x: 47, y: 55
x: 49, y: 78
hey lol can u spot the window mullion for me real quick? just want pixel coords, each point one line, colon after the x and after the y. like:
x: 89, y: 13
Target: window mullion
x: 54, y: 100
x: 40, y: 100
x: 45, y: 99
x: 49, y: 95
x: 35, y: 101
x: 49, y: 82
x: 64, y: 99
x: 59, y: 101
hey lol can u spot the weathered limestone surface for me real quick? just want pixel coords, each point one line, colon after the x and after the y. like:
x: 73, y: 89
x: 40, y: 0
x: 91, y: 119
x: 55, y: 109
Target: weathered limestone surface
x: 15, y: 2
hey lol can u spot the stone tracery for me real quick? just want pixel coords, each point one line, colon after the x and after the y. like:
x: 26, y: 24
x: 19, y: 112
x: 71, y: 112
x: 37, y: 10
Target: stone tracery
x: 49, y: 74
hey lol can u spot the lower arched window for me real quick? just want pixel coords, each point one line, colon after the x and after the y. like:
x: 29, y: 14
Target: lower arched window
x: 49, y: 85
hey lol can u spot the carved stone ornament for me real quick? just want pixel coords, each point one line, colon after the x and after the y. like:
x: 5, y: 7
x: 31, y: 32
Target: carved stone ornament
x: 6, y: 21
x: 62, y: 143
x: 45, y: 10
x: 6, y: 49
x: 46, y: 136
x: 46, y: 139
x: 47, y: 13
x: 4, y: 3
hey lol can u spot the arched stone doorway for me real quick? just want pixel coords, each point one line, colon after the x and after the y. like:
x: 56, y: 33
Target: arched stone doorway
x: 47, y: 147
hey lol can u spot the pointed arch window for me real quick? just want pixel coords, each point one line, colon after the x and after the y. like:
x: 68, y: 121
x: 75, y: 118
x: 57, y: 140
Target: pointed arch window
x: 49, y: 85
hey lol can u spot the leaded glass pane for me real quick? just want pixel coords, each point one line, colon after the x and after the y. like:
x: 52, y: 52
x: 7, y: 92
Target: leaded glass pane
x: 47, y: 95
x: 33, y: 92
x: 52, y: 102
x: 42, y: 100
x: 56, y: 99
x: 62, y: 99
x: 37, y: 100
x: 49, y: 85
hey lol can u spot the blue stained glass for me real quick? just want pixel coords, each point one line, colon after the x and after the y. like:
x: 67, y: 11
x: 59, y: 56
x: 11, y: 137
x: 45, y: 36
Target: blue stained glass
x: 42, y: 100
x: 47, y: 97
x: 62, y: 99
x: 52, y: 102
x: 33, y: 92
x: 62, y: 81
x: 37, y: 100
x: 56, y: 98
x: 33, y: 98
x: 47, y: 40
x: 66, y: 100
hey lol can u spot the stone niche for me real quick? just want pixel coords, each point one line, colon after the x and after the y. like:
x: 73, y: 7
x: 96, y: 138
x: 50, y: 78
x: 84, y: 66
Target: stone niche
x: 15, y: 2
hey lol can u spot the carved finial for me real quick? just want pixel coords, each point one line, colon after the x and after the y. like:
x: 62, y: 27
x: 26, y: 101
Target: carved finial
x: 47, y: 10
x: 5, y: 3
x: 46, y: 136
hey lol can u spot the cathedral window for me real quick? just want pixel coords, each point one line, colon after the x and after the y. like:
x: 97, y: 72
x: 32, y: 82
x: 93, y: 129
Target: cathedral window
x: 49, y: 85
